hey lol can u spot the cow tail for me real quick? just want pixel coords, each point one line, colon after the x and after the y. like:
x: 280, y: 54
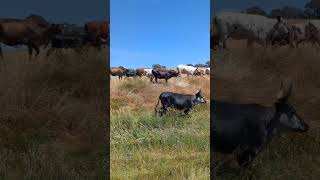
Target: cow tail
x: 155, y: 109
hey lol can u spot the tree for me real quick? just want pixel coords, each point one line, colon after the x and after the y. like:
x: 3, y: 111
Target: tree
x: 288, y: 12
x: 156, y: 66
x: 189, y: 65
x: 255, y: 10
x: 275, y: 13
x: 312, y: 9
x: 121, y: 67
x: 208, y: 63
x: 291, y: 12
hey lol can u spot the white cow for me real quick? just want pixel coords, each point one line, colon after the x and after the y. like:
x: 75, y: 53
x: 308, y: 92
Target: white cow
x: 313, y: 31
x: 148, y: 71
x: 189, y: 69
x: 254, y: 28
x: 298, y: 34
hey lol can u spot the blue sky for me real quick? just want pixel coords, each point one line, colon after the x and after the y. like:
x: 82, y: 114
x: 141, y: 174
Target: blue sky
x: 71, y: 11
x: 218, y: 5
x: 147, y: 32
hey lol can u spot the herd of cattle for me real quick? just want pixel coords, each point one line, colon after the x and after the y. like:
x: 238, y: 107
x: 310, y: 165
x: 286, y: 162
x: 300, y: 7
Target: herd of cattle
x: 160, y: 73
x: 262, y: 30
x: 34, y: 32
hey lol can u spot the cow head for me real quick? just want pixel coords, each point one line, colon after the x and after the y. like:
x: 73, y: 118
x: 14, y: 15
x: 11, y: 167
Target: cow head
x: 281, y: 26
x: 173, y: 73
x: 289, y: 120
x: 199, y: 98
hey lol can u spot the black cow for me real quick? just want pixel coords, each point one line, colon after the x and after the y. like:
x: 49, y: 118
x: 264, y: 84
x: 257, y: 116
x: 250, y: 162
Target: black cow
x: 131, y: 74
x: 71, y: 36
x: 247, y: 128
x: 160, y: 74
x: 181, y: 102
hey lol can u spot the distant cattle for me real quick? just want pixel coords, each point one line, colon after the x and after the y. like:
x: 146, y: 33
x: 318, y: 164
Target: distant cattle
x: 182, y: 102
x: 189, y: 70
x: 207, y: 71
x: 70, y: 36
x: 298, y: 34
x: 313, y: 31
x: 245, y: 129
x: 198, y: 72
x: 163, y: 74
x: 141, y: 72
x: 118, y: 72
x: 98, y: 33
x: 253, y: 28
x: 131, y: 74
x: 33, y: 32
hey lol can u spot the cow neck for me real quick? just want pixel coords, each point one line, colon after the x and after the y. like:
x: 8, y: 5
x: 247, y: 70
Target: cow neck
x: 194, y: 100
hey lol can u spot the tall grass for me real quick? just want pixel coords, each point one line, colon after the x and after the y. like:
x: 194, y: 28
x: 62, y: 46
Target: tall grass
x: 147, y: 147
x: 53, y: 116
x: 254, y: 76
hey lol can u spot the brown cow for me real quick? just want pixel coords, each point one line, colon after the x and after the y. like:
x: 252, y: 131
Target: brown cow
x: 140, y: 72
x: 98, y: 33
x: 207, y: 72
x: 33, y: 32
x: 118, y: 72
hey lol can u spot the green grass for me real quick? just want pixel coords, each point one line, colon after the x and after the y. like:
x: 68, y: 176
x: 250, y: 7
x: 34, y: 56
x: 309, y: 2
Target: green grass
x: 170, y: 147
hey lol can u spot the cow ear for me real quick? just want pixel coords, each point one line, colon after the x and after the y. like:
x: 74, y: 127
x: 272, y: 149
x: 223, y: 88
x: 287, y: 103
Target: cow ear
x: 198, y: 92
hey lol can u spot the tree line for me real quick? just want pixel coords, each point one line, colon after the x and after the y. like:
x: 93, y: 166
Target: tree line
x: 311, y: 10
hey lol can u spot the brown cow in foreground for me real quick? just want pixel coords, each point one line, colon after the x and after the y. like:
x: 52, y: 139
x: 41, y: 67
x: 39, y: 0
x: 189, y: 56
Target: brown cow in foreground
x: 118, y: 72
x: 98, y: 33
x: 33, y: 32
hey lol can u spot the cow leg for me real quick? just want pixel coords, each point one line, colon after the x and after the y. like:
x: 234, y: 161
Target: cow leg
x: 30, y: 51
x: 49, y: 51
x: 247, y: 156
x: 36, y: 48
x: 187, y: 111
x: 1, y: 54
x: 164, y: 110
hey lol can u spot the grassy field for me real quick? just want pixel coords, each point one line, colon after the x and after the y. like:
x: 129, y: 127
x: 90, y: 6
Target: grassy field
x: 147, y: 147
x: 243, y: 75
x: 52, y: 116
